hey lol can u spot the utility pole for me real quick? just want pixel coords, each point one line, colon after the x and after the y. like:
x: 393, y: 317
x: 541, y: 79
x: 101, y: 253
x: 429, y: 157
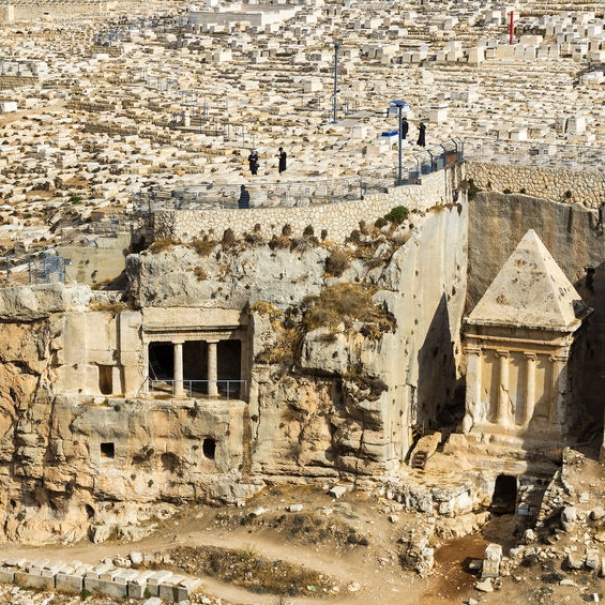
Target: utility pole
x: 336, y: 46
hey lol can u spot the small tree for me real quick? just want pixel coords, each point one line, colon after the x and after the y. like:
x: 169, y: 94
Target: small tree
x: 397, y: 215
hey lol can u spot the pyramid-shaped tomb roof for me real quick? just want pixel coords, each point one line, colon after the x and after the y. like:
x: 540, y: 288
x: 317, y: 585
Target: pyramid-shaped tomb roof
x: 531, y: 290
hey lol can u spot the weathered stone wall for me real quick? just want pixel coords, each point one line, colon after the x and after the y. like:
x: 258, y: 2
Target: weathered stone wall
x: 7, y: 12
x: 337, y: 219
x: 343, y: 406
x: 564, y: 184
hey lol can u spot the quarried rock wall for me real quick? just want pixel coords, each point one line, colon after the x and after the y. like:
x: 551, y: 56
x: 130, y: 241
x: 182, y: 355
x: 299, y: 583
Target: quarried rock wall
x: 341, y: 350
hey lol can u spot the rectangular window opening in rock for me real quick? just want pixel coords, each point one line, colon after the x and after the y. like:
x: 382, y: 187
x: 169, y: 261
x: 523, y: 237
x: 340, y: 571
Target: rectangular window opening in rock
x: 107, y: 450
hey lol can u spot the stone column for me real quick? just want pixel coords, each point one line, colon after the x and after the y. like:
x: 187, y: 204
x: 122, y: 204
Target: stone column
x: 474, y: 404
x: 145, y: 362
x: 559, y: 389
x: 116, y: 380
x: 212, y: 368
x: 502, y: 413
x: 530, y: 388
x: 178, y: 369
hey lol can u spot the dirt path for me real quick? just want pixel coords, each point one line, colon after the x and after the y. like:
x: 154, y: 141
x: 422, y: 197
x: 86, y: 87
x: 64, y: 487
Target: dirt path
x: 374, y: 571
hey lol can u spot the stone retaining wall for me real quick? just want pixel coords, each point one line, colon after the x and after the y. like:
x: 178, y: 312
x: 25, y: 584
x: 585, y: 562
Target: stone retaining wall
x: 563, y: 184
x: 116, y: 582
x: 338, y: 219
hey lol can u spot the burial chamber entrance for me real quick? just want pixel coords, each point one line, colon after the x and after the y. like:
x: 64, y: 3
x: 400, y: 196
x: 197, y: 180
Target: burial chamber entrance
x: 504, y: 500
x: 196, y: 365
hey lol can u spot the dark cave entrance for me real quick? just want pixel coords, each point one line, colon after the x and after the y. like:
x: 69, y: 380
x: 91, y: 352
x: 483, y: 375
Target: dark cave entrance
x: 504, y: 501
x: 229, y: 366
x: 161, y: 361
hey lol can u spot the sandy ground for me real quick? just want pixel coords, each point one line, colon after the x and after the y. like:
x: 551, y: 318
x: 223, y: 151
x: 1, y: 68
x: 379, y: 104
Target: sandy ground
x: 375, y: 568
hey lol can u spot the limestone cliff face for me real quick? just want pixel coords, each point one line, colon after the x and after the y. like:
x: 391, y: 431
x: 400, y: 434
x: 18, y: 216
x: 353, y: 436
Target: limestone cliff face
x: 343, y: 349
x: 352, y: 400
x: 338, y: 398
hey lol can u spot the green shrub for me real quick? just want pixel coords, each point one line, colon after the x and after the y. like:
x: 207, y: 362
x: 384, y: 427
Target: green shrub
x: 397, y: 215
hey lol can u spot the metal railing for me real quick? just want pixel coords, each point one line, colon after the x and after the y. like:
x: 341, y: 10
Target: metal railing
x: 432, y: 159
x: 42, y: 268
x: 199, y: 389
x: 533, y: 153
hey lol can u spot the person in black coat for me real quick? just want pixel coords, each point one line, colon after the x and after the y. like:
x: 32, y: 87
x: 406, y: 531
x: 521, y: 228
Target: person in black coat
x: 282, y: 160
x: 244, y: 198
x: 405, y: 126
x: 421, y: 135
x: 253, y: 161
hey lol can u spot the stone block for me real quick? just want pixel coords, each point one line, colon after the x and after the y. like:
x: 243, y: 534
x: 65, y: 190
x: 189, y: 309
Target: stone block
x: 155, y: 580
x: 20, y: 563
x: 28, y: 580
x: 111, y: 588
x: 69, y: 582
x: 186, y: 588
x: 7, y: 575
x: 92, y: 583
x: 138, y: 585
x: 167, y: 590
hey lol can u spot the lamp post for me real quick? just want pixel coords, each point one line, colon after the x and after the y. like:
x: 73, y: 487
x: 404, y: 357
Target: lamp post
x: 336, y: 46
x: 402, y: 108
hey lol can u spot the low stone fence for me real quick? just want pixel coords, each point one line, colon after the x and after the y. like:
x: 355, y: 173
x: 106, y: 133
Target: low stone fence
x: 337, y: 219
x: 116, y: 582
x: 560, y: 173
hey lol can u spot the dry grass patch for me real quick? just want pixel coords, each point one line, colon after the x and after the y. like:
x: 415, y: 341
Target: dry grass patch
x: 245, y: 568
x: 162, y: 244
x: 204, y: 247
x: 113, y: 308
x: 338, y: 262
x: 200, y: 273
x: 345, y: 303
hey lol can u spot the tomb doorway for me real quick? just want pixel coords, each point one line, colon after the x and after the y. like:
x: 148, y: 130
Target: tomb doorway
x: 504, y: 501
x: 229, y: 366
x: 161, y: 361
